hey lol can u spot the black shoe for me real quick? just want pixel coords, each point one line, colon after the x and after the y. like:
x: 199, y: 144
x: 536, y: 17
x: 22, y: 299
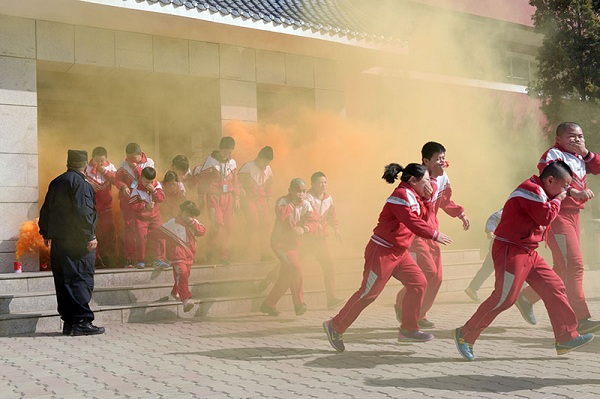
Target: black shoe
x: 270, y: 310
x: 86, y: 328
x: 586, y: 326
x: 300, y: 309
x: 424, y: 323
x: 526, y: 309
x: 67, y: 328
x: 263, y: 285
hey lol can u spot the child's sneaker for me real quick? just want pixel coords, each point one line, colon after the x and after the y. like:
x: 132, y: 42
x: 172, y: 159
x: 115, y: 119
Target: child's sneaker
x: 471, y: 293
x: 300, y: 309
x: 270, y: 310
x: 188, y: 305
x: 160, y: 264
x: 526, y: 309
x: 588, y: 326
x: 414, y: 336
x: 464, y: 348
x: 140, y: 265
x: 128, y: 264
x: 424, y: 323
x: 565, y: 347
x: 175, y: 295
x: 335, y: 338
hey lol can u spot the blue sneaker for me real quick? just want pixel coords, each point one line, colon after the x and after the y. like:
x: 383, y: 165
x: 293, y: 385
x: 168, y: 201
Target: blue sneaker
x: 160, y: 264
x: 140, y: 265
x: 335, y: 338
x: 526, y: 309
x: 464, y: 348
x: 565, y: 347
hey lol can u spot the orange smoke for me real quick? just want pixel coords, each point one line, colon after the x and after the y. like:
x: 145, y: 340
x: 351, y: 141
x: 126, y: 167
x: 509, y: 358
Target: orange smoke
x: 30, y: 240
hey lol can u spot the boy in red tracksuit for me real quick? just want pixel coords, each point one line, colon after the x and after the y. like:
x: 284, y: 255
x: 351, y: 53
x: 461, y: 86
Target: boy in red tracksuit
x: 387, y: 254
x: 179, y: 235
x: 427, y: 252
x: 218, y: 187
x: 126, y: 179
x: 316, y: 244
x: 526, y: 215
x: 256, y: 181
x: 143, y: 203
x: 181, y: 165
x: 294, y: 217
x: 174, y: 195
x: 101, y: 174
x: 563, y: 238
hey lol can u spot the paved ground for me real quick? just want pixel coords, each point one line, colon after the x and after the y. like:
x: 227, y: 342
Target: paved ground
x: 256, y: 356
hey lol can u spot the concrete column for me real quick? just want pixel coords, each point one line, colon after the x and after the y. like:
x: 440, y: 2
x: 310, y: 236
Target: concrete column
x: 18, y: 135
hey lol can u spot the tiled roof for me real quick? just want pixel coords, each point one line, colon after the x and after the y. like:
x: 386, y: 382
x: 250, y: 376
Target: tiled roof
x: 330, y: 17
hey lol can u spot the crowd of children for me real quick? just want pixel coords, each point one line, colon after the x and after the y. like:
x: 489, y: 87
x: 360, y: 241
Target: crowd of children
x: 160, y: 226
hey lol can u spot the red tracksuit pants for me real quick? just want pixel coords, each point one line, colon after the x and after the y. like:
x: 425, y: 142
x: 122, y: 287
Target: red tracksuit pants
x: 181, y: 278
x: 514, y: 265
x: 105, y: 233
x: 565, y: 244
x: 429, y: 258
x: 140, y: 237
x: 318, y: 247
x: 220, y: 210
x: 381, y: 264
x: 290, y: 277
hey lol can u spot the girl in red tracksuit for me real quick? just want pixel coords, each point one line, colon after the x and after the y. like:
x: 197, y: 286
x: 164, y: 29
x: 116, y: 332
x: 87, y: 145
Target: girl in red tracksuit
x: 126, y: 179
x: 294, y: 217
x: 143, y: 203
x: 101, y: 175
x: 179, y: 235
x: 526, y: 215
x: 386, y: 255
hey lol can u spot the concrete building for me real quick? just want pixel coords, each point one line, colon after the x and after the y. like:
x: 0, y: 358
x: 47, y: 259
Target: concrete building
x: 171, y: 74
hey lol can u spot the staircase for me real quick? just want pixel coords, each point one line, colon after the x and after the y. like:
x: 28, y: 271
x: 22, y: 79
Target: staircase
x: 28, y: 302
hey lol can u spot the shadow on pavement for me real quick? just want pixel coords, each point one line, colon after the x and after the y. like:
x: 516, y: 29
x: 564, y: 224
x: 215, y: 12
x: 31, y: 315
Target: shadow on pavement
x: 479, y: 383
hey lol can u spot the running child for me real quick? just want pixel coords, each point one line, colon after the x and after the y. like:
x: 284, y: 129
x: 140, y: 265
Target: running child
x: 528, y: 212
x: 387, y: 254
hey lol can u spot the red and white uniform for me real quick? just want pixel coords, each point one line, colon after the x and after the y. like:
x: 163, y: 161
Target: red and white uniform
x: 523, y: 224
x: 563, y: 238
x: 127, y: 176
x: 145, y: 220
x: 105, y: 226
x: 286, y: 245
x: 428, y: 253
x: 180, y: 243
x: 256, y: 203
x: 217, y: 180
x: 403, y: 216
x: 316, y: 243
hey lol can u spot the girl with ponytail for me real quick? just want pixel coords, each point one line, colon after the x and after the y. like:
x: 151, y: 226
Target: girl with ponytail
x: 402, y: 218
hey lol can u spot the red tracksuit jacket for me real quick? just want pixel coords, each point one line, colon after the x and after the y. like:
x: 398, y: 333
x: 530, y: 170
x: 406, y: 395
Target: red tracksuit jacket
x: 102, y: 184
x: 325, y: 211
x: 256, y: 182
x: 442, y: 198
x: 526, y: 214
x: 580, y: 167
x: 140, y: 197
x: 180, y: 239
x: 126, y: 175
x: 288, y: 216
x: 217, y: 178
x: 403, y: 216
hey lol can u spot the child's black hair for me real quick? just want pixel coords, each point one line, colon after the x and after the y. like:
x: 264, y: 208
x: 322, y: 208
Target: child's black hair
x: 430, y: 148
x: 227, y: 143
x: 180, y: 162
x: 133, y: 148
x: 392, y: 171
x: 99, y: 152
x: 556, y: 169
x: 149, y: 173
x: 316, y: 176
x: 563, y: 127
x: 170, y: 176
x: 189, y: 207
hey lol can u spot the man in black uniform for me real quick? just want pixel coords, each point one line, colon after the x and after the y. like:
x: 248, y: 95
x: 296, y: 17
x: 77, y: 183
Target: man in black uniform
x: 68, y: 224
